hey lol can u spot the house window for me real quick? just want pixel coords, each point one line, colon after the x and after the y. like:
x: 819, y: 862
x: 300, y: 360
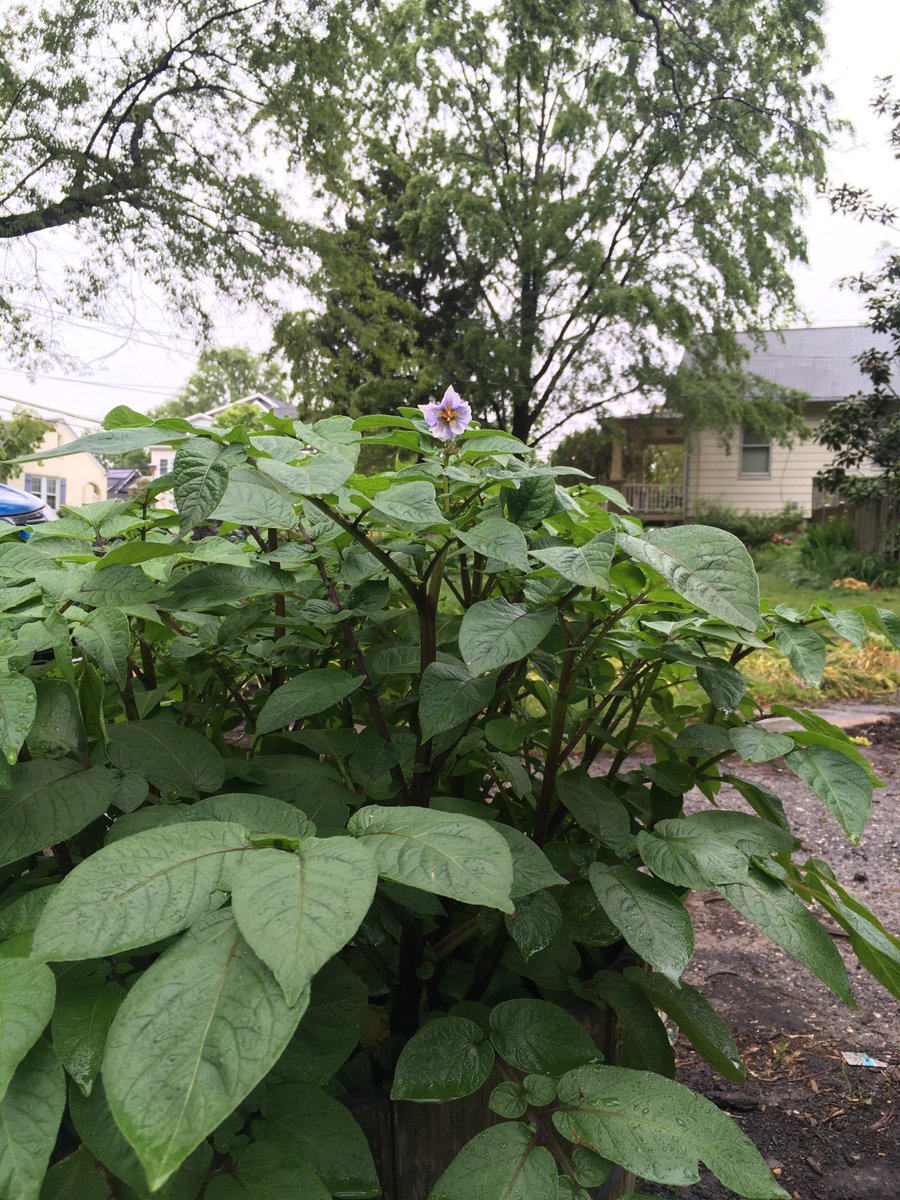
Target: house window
x: 756, y: 453
x: 49, y: 489
x: 163, y: 466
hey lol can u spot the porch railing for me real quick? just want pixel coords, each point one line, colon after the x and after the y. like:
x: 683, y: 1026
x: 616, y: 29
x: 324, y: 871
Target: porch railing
x: 662, y: 498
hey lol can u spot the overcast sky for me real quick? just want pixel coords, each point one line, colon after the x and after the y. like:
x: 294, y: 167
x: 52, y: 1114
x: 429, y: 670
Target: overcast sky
x: 140, y: 366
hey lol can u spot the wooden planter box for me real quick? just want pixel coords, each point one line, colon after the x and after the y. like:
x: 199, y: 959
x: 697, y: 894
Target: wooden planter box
x: 413, y: 1144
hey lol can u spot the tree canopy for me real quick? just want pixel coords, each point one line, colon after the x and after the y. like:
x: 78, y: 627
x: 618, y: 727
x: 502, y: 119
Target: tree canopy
x: 145, y: 132
x: 863, y: 430
x: 20, y: 433
x: 225, y: 375
x: 543, y: 203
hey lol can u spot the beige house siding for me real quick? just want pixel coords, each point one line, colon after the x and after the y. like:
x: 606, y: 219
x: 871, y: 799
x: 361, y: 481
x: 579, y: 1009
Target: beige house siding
x: 714, y: 475
x: 76, y: 479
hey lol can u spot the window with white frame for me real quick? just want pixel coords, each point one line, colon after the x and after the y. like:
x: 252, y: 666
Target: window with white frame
x: 756, y: 453
x: 50, y: 489
x: 163, y: 466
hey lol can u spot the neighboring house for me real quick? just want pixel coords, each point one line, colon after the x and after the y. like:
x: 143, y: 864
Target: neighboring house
x: 754, y: 473
x: 120, y: 481
x: 161, y: 456
x: 75, y: 479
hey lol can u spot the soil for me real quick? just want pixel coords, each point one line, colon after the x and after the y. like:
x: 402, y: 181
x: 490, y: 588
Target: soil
x: 829, y: 1131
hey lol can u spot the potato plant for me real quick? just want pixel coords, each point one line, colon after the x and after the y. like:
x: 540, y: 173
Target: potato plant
x: 322, y: 780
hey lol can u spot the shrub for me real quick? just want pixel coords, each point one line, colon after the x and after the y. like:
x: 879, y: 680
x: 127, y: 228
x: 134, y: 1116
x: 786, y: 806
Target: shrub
x: 752, y: 528
x: 376, y: 750
x: 827, y: 555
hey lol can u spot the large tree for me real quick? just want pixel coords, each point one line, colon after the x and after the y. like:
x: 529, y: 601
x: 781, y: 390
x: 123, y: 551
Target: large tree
x: 20, y: 433
x: 544, y: 202
x: 144, y: 131
x: 863, y: 430
x: 225, y: 375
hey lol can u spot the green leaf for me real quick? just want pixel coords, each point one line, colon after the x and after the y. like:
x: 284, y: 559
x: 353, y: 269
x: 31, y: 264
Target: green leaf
x: 49, y: 802
x: 644, y: 1042
x: 57, y: 722
x: 804, y: 648
x: 140, y: 889
x: 77, y: 1177
x: 499, y: 539
x: 297, y: 910
x: 111, y: 442
x: 753, y: 835
x: 652, y: 920
x: 139, y: 552
x: 449, y: 1057
x: 409, y: 504
x: 304, y: 695
x: 595, y: 807
x: 249, y: 499
x: 320, y: 1131
x: 177, y: 761
x: 658, y: 1129
x: 504, y: 1162
x: 841, y: 784
x: 168, y: 1091
x: 876, y: 949
x: 18, y: 705
x: 508, y: 1100
x: 268, y: 1171
x: 540, y: 1037
x: 444, y: 853
x: 95, y: 1126
x: 690, y: 855
x: 257, y: 814
x: 532, y: 500
x: 587, y: 566
x: 695, y: 1017
x: 320, y: 475
x: 535, y: 923
x: 771, y: 907
x: 449, y: 695
x: 86, y: 1004
x: 27, y: 991
x: 883, y: 620
x: 330, y: 1028
x: 846, y: 623
x: 723, y: 683
x: 705, y: 739
x: 495, y: 633
x: 199, y: 479
x: 105, y: 637
x: 30, y: 1114
x: 532, y: 869
x: 834, y: 740
x: 708, y: 567
x: 756, y: 745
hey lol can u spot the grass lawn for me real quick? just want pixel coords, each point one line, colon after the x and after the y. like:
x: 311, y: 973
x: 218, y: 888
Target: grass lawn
x: 777, y: 590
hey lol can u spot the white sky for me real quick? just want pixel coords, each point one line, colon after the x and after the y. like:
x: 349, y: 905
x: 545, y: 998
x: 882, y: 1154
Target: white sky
x: 142, y: 365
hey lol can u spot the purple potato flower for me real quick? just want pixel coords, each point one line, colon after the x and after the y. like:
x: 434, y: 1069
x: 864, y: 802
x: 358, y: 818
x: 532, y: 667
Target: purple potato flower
x: 449, y: 418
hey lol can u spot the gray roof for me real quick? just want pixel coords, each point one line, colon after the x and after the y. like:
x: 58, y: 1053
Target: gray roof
x: 818, y: 361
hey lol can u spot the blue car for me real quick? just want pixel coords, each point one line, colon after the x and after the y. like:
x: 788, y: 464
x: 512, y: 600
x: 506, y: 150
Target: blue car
x: 20, y: 508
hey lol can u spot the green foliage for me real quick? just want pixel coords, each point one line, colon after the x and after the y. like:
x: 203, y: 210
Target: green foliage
x: 513, y: 254
x: 340, y: 799
x: 19, y: 434
x: 827, y: 553
x: 225, y: 375
x: 132, y: 134
x: 753, y: 528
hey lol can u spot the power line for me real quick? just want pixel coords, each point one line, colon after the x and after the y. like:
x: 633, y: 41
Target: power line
x: 149, y: 389
x: 49, y: 408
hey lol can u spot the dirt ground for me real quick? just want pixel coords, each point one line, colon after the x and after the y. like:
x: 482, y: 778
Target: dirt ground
x: 829, y: 1131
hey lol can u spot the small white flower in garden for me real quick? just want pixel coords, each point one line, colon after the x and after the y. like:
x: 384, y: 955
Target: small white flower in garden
x: 449, y: 418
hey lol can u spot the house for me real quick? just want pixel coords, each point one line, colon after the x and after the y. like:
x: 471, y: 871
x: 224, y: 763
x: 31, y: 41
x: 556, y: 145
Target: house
x: 75, y: 479
x: 120, y: 481
x: 753, y: 473
x: 161, y: 456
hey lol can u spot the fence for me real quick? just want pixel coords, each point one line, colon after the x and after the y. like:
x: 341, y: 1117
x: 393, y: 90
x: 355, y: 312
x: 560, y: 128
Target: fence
x: 875, y: 524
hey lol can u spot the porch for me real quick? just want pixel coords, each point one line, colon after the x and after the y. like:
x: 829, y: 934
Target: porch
x: 651, y: 446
